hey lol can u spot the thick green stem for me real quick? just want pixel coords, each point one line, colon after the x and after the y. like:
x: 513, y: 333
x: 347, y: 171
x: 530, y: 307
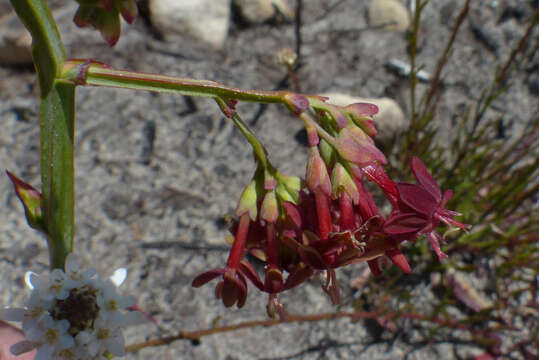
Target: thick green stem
x: 57, y: 126
x: 57, y: 169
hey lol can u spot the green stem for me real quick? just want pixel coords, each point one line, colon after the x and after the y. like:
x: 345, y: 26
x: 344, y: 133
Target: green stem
x: 91, y: 73
x: 258, y: 148
x: 87, y: 72
x: 57, y: 115
x: 413, y: 51
x: 57, y: 128
x: 308, y: 121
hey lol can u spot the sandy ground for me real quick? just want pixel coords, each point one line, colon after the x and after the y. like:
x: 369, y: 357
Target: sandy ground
x: 160, y: 213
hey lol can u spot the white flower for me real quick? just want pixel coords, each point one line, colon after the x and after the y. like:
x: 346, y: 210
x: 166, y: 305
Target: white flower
x: 73, y: 314
x: 111, y: 301
x: 75, y: 277
x: 106, y: 337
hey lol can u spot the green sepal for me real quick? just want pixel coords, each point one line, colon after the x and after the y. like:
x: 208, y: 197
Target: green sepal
x: 327, y: 152
x: 288, y: 188
x: 269, y: 210
x: 341, y: 180
x: 248, y: 201
x: 31, y: 201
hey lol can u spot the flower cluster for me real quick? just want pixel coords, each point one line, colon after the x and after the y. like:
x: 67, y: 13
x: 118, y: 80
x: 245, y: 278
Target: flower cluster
x: 73, y: 314
x: 104, y: 15
x: 303, y: 228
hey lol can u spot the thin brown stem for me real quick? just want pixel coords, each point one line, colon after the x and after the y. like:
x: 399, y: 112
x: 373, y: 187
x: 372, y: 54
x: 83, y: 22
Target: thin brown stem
x: 506, y: 69
x: 354, y: 316
x: 444, y: 58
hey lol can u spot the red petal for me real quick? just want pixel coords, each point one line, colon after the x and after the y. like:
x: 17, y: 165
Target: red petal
x: 233, y: 290
x: 397, y: 258
x: 375, y: 268
x: 206, y: 277
x: 417, y: 198
x: 242, y: 290
x: 274, y: 281
x: 292, y: 212
x: 424, y: 178
x: 297, y: 277
x: 448, y: 194
x: 311, y: 257
x: 247, y: 269
x: 404, y: 224
x: 375, y: 172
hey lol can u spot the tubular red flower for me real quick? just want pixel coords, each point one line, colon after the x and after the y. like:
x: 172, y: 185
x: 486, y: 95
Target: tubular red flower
x: 238, y: 248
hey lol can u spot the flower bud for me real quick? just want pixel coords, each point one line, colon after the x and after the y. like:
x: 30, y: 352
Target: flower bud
x: 317, y: 174
x: 248, y: 201
x: 355, y: 146
x: 288, y: 188
x: 342, y: 181
x: 327, y: 152
x: 360, y: 114
x: 128, y: 9
x: 287, y: 57
x: 296, y: 103
x: 269, y: 210
x: 104, y: 15
x: 31, y: 200
x: 397, y: 257
x: 109, y: 26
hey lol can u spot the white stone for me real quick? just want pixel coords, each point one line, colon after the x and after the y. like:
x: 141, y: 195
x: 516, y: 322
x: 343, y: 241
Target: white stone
x: 205, y: 20
x: 389, y: 15
x: 390, y: 119
x: 256, y: 11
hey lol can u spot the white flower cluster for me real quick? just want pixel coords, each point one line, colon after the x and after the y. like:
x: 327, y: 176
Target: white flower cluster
x: 73, y: 314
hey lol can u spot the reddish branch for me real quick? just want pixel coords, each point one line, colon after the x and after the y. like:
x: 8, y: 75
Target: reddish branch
x: 354, y: 316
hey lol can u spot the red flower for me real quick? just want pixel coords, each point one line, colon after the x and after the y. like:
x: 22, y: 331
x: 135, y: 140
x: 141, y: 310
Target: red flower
x: 233, y: 288
x: 420, y: 208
